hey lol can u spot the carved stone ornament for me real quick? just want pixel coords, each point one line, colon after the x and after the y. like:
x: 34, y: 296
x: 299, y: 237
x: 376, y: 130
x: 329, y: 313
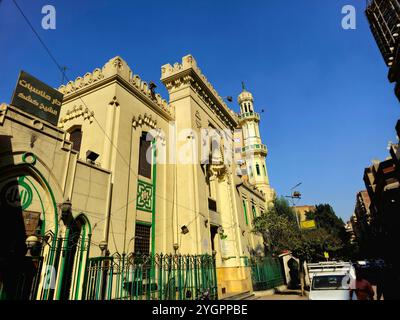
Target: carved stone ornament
x: 76, y: 112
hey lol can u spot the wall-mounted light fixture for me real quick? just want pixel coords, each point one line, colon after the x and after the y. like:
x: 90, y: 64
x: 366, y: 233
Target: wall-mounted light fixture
x: 66, y: 211
x: 103, y: 247
x: 184, y: 229
x: 91, y: 156
x: 31, y: 242
x: 228, y: 98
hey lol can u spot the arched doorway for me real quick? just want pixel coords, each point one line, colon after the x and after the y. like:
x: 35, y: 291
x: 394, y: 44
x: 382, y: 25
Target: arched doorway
x: 28, y: 209
x: 72, y: 256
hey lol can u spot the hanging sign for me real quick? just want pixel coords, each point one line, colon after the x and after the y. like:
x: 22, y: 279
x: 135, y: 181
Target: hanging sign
x: 37, y: 98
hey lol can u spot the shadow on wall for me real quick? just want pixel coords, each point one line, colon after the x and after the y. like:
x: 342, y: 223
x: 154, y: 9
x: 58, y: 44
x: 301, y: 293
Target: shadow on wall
x: 294, y: 282
x: 13, y: 264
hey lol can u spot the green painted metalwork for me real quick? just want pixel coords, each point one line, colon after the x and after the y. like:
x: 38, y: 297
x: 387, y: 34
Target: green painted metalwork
x: 153, y: 211
x: 253, y: 209
x: 145, y: 196
x: 245, y: 212
x: 29, y: 158
x: 176, y: 277
x: 50, y: 261
x: 17, y: 194
x: 267, y: 274
x: 255, y: 148
x: 249, y: 115
x: 80, y: 261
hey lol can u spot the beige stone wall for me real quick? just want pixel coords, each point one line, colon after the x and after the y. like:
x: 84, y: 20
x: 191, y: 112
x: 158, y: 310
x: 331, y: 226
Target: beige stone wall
x: 56, y: 164
x: 233, y: 280
x: 39, y: 156
x: 122, y: 109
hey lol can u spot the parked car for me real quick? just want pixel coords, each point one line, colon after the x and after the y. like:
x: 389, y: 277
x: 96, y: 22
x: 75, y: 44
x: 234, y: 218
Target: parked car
x: 331, y: 280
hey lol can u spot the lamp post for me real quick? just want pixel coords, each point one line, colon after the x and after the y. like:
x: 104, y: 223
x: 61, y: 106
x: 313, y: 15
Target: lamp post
x: 295, y: 195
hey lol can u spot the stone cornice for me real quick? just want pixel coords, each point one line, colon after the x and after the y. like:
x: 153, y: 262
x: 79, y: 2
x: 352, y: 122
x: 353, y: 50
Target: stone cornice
x: 189, y: 74
x: 116, y: 69
x: 75, y: 112
x: 34, y: 123
x: 252, y: 188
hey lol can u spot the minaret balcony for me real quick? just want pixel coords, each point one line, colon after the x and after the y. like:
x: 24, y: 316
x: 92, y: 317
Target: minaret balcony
x: 249, y: 116
x: 258, y: 148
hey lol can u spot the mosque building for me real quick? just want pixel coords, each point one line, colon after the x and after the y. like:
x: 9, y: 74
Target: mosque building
x: 129, y: 195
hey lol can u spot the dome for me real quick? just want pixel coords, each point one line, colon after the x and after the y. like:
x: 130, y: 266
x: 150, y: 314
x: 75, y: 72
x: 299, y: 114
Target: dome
x: 245, y: 96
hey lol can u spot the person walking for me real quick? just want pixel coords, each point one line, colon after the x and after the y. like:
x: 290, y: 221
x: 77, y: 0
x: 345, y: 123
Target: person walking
x: 362, y: 287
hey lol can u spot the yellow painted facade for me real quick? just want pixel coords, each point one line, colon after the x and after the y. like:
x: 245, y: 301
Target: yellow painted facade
x: 216, y: 200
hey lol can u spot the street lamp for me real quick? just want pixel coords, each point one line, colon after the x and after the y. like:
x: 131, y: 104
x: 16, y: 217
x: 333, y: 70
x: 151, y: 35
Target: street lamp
x: 228, y: 98
x: 295, y: 195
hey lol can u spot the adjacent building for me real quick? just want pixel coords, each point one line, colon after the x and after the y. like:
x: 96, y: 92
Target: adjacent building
x: 384, y: 20
x: 361, y: 228
x: 302, y: 211
x: 383, y: 188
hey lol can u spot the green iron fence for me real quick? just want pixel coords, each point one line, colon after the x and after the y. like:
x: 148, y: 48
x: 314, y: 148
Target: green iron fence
x: 21, y: 283
x: 36, y: 277
x: 144, y: 277
x: 267, y: 274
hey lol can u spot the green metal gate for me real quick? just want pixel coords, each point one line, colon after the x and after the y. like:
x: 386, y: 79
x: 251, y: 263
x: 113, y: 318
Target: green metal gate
x: 158, y: 277
x: 267, y: 274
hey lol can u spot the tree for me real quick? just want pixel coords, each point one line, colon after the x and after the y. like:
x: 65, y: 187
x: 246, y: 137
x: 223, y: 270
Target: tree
x: 280, y: 232
x: 277, y: 227
x: 326, y: 219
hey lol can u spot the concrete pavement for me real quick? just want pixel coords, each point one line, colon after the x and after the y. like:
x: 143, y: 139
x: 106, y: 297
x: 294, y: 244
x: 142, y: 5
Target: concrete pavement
x: 282, y: 295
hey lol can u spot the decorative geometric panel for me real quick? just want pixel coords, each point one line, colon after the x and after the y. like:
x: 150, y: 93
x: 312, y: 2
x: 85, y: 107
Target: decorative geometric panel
x: 16, y: 194
x: 144, y: 199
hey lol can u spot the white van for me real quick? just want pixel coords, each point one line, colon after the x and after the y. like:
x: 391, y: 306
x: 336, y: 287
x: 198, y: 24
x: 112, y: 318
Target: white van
x: 331, y: 280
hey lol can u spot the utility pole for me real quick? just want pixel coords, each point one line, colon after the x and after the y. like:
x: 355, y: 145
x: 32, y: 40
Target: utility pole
x: 296, y: 195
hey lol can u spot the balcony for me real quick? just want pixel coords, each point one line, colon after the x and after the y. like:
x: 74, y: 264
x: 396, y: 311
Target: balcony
x: 256, y: 149
x: 249, y: 116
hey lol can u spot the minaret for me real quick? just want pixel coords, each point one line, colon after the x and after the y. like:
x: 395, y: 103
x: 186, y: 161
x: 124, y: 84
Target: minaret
x: 254, y: 151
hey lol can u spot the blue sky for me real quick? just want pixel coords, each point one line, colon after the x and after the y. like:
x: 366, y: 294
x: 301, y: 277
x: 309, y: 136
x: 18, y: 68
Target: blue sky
x: 329, y: 109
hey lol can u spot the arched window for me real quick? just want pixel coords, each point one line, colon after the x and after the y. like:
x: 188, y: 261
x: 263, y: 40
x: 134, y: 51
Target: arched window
x: 145, y: 155
x: 258, y: 169
x: 265, y: 170
x: 251, y: 171
x: 245, y: 108
x: 75, y: 136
